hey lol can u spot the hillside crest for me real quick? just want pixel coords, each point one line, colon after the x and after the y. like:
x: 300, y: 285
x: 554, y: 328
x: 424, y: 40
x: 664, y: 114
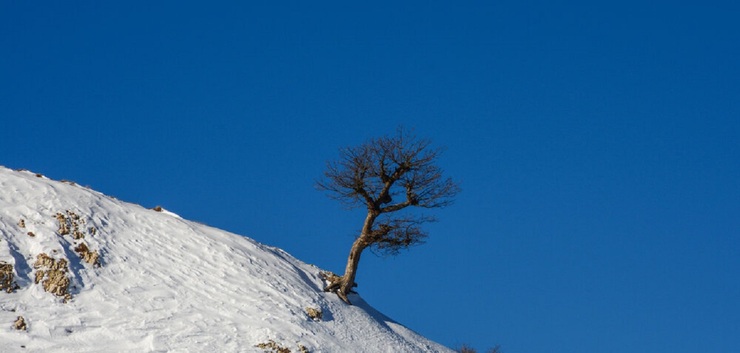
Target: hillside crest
x: 84, y: 272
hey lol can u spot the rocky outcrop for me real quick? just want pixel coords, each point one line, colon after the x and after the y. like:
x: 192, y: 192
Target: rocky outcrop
x: 7, y: 282
x: 52, y: 274
x: 87, y: 255
x: 71, y: 223
x: 20, y: 324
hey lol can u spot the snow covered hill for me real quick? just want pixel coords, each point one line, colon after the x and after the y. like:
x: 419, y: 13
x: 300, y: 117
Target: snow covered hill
x: 84, y: 272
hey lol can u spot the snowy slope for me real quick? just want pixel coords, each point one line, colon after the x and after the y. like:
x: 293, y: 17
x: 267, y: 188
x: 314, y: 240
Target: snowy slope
x: 161, y: 283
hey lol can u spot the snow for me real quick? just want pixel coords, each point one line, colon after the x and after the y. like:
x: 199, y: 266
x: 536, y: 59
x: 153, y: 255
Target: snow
x: 166, y: 284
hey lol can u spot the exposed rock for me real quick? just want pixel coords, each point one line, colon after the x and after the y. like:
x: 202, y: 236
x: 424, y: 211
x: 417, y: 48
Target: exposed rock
x: 273, y: 347
x: 77, y: 234
x: 72, y: 223
x: 63, y: 227
x: 52, y: 274
x: 91, y: 257
x: 43, y: 261
x: 20, y: 324
x: 314, y: 314
x: 6, y: 278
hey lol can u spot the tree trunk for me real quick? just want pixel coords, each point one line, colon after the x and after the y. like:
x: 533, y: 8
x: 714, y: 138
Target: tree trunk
x: 348, y: 280
x: 343, y: 285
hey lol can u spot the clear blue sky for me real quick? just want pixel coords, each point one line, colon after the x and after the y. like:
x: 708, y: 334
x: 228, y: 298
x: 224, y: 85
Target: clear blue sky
x: 597, y: 146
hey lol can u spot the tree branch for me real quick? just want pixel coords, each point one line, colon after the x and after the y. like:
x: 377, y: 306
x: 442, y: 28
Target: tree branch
x: 373, y: 174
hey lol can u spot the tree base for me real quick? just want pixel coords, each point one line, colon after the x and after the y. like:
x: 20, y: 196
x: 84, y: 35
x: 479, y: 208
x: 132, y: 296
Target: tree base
x: 338, y: 285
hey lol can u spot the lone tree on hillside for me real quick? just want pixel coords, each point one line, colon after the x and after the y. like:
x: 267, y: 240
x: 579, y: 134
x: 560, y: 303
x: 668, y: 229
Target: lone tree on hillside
x: 386, y: 175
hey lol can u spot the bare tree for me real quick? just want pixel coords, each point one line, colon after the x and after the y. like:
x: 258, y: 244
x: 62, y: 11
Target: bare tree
x: 386, y: 175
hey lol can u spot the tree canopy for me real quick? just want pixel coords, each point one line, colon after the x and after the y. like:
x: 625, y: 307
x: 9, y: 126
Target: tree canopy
x: 386, y: 175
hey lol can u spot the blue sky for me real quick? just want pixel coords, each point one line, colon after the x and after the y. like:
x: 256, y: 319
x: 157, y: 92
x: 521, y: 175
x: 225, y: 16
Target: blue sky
x: 596, y: 146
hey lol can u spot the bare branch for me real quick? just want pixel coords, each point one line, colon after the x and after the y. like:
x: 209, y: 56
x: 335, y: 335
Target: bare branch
x: 387, y: 175
x: 394, y: 234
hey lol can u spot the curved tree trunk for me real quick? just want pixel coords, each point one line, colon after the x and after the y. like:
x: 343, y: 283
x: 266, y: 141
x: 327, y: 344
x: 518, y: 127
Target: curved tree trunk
x: 343, y: 285
x: 348, y: 280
